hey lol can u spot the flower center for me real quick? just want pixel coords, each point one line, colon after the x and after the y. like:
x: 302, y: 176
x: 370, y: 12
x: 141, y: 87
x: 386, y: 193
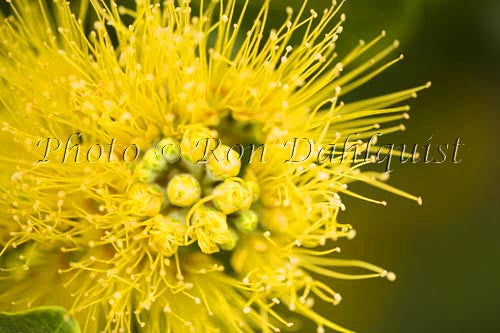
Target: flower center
x: 190, y: 194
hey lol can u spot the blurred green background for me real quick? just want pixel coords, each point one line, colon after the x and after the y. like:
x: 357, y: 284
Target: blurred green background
x: 446, y: 253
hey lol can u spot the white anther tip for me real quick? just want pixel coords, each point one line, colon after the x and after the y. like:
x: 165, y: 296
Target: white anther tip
x: 351, y: 234
x: 391, y: 276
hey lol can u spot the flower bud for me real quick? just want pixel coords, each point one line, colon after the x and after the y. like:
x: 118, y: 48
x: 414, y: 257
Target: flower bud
x: 183, y: 190
x: 191, y: 144
x: 224, y: 163
x: 153, y: 160
x: 229, y: 246
x: 144, y: 174
x: 209, y: 229
x: 169, y: 149
x: 246, y: 221
x: 232, y: 195
x: 146, y: 199
x: 166, y: 235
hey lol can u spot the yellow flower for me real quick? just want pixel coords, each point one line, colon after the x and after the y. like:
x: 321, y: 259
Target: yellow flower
x: 134, y: 90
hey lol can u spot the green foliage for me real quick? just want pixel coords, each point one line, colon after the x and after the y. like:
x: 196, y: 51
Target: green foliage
x: 39, y: 320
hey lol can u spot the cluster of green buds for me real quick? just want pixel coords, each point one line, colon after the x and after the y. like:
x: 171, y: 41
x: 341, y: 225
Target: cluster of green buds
x: 185, y: 202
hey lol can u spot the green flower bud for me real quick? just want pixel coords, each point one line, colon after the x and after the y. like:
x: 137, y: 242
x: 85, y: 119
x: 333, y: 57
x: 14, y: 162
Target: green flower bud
x: 154, y: 161
x: 169, y: 149
x: 246, y: 221
x: 144, y: 174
